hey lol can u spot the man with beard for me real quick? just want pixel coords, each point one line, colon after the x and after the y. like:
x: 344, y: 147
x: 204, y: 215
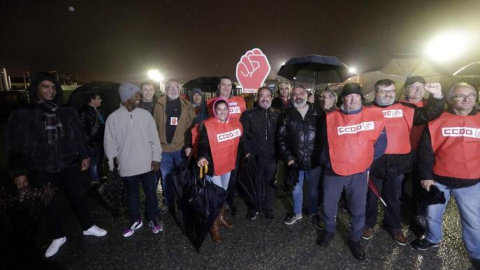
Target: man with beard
x: 355, y: 137
x: 296, y: 142
x: 283, y: 100
x: 387, y: 172
x: 173, y: 116
x: 448, y: 160
x: 258, y: 144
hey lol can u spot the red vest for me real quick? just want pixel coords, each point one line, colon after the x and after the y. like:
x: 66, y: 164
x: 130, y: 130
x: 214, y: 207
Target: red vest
x: 417, y: 131
x: 236, y: 105
x: 224, y: 139
x: 456, y: 145
x: 351, y: 139
x: 398, y: 124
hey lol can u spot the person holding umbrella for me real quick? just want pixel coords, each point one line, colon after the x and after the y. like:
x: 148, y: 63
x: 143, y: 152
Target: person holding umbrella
x: 258, y: 145
x: 355, y: 137
x: 388, y: 171
x: 448, y: 160
x: 219, y: 138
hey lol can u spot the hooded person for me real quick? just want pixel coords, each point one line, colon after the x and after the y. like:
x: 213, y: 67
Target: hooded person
x: 217, y: 148
x: 46, y: 145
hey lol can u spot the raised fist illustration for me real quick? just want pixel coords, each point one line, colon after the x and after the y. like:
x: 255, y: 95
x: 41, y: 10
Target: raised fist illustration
x: 252, y: 70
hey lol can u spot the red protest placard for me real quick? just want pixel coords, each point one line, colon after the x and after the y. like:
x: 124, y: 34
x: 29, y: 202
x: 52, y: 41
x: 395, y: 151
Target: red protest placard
x: 252, y: 70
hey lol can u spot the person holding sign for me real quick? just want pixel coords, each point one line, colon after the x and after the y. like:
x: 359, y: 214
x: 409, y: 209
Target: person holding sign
x: 219, y: 138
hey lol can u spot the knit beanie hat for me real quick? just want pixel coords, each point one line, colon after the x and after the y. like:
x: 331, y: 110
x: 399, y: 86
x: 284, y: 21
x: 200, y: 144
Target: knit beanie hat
x: 127, y: 90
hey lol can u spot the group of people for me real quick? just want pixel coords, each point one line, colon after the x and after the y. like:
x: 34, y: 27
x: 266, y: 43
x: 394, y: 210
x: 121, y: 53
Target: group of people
x: 335, y: 151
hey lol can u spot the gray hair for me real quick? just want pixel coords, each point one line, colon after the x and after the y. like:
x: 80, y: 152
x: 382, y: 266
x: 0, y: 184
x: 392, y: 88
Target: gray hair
x: 451, y: 91
x: 335, y: 96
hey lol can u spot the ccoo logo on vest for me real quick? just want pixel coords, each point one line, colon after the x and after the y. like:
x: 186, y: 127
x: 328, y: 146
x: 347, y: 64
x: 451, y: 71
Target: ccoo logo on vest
x: 392, y: 113
x: 230, y: 135
x: 461, y: 132
x: 364, y: 126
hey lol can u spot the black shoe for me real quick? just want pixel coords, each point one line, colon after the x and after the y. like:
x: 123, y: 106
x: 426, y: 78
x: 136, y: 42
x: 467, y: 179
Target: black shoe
x: 269, y: 215
x: 317, y: 221
x: 324, y: 238
x: 356, y: 249
x: 475, y: 263
x: 423, y: 244
x: 252, y: 213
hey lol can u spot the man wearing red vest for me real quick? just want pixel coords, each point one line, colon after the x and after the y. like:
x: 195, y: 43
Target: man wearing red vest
x: 388, y: 171
x: 355, y: 137
x: 448, y: 159
x: 237, y: 106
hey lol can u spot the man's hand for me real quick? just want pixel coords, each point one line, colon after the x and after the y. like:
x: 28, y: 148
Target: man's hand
x: 85, y: 164
x: 435, y: 89
x: 155, y: 165
x: 202, y: 162
x: 290, y: 162
x: 427, y: 183
x: 188, y: 151
x: 252, y: 70
x: 21, y: 181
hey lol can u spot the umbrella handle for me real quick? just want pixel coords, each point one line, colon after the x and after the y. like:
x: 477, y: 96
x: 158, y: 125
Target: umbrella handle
x: 201, y: 170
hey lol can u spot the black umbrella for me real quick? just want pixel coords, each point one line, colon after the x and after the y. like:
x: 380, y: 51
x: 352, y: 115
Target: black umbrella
x: 315, y: 69
x: 112, y: 192
x: 247, y: 179
x: 207, y: 84
x: 107, y: 90
x: 203, y: 205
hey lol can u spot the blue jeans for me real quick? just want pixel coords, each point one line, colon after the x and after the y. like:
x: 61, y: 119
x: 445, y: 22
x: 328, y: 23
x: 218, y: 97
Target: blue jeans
x: 312, y: 177
x: 133, y: 199
x: 220, y: 180
x: 96, y: 158
x: 468, y: 203
x: 171, y: 161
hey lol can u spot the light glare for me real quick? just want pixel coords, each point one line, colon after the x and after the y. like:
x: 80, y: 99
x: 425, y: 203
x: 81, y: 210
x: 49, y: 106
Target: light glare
x: 447, y: 46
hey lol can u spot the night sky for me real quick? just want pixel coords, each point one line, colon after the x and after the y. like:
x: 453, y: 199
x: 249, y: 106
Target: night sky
x: 99, y: 40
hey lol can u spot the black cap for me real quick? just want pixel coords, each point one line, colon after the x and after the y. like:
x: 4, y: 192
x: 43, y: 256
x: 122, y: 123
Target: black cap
x: 414, y: 79
x: 351, y: 88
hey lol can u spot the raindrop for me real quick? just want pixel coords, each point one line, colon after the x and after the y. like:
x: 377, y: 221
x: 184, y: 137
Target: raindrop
x: 72, y: 9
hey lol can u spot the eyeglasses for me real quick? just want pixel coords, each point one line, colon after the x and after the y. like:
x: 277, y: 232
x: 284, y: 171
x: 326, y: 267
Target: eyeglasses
x: 383, y: 92
x: 462, y: 97
x: 416, y: 87
x: 173, y: 88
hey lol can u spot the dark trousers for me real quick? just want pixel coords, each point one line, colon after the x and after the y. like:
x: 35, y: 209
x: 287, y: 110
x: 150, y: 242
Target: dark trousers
x: 70, y: 182
x: 355, y: 187
x: 265, y: 183
x: 151, y: 203
x: 391, y: 191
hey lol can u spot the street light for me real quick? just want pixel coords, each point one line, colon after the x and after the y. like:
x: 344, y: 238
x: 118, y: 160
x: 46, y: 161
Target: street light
x: 448, y: 45
x: 155, y: 75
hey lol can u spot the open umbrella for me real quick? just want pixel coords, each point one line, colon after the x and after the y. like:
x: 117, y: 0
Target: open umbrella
x: 254, y: 188
x: 469, y: 73
x: 315, y: 69
x: 107, y: 90
x: 397, y: 67
x: 207, y: 84
x: 202, y: 207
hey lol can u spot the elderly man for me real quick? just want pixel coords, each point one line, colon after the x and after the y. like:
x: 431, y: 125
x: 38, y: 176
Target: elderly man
x: 173, y: 116
x: 258, y: 143
x: 46, y: 145
x: 355, y: 137
x: 448, y: 159
x: 296, y: 144
x: 283, y: 100
x: 388, y: 171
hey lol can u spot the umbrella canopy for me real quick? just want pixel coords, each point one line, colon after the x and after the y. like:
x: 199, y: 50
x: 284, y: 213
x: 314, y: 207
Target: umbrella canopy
x: 315, y: 69
x: 397, y: 67
x: 469, y: 73
x: 107, y: 90
x: 207, y: 84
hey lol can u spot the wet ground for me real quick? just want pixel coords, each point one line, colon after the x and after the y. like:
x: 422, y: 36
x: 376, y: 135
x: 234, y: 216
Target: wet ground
x: 258, y: 244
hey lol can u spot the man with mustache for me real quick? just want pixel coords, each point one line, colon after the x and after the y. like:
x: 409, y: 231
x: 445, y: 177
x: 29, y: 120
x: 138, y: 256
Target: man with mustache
x: 388, y: 171
x: 258, y: 144
x: 296, y: 142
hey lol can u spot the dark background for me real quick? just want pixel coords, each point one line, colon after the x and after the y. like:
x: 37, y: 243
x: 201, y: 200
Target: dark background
x: 121, y: 40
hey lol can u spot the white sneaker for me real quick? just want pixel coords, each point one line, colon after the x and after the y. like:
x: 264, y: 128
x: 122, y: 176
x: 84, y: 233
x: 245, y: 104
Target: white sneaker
x: 95, y: 231
x: 55, y: 246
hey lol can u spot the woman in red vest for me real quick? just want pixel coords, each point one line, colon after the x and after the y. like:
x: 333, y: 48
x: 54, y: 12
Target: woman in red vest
x: 217, y: 148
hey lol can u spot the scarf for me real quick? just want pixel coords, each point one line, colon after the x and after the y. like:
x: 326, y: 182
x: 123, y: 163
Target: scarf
x: 53, y: 127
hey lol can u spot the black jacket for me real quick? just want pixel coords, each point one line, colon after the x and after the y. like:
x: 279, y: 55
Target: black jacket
x: 277, y: 103
x: 259, y: 126
x: 393, y: 165
x: 295, y: 137
x: 94, y: 128
x: 28, y: 148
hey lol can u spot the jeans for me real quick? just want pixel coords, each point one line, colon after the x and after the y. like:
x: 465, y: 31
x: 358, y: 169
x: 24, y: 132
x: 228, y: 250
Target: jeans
x: 220, y: 180
x: 151, y: 203
x: 96, y: 158
x: 171, y: 161
x: 468, y: 203
x: 312, y: 177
